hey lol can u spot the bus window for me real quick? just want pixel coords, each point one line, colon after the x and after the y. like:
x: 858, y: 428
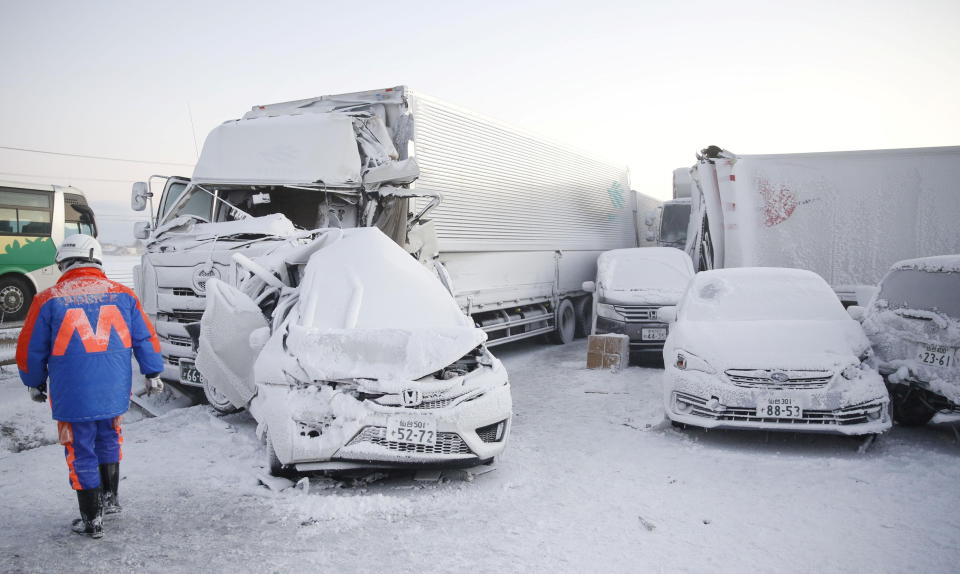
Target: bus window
x: 24, y: 212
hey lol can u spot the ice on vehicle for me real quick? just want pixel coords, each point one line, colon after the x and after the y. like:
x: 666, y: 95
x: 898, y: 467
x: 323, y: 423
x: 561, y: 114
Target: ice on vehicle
x: 914, y: 325
x: 748, y: 343
x: 354, y: 359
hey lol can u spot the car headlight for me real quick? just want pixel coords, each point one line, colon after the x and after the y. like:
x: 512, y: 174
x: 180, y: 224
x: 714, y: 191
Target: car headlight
x: 851, y: 372
x: 608, y: 312
x: 689, y: 362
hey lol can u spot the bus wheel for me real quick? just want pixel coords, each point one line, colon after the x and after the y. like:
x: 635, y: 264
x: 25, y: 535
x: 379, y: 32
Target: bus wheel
x: 15, y: 297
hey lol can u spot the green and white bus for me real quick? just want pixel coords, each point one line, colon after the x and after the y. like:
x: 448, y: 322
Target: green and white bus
x: 34, y: 219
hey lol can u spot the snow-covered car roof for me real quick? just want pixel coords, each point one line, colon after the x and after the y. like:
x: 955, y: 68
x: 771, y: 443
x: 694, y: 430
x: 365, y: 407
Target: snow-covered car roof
x: 645, y: 268
x: 760, y: 293
x: 934, y: 264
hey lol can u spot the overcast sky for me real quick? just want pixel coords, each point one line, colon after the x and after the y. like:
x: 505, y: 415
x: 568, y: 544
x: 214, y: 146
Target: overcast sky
x: 642, y: 83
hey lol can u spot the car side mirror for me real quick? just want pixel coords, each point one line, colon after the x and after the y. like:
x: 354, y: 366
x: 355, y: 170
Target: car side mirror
x: 589, y: 286
x: 141, y: 229
x: 857, y: 313
x: 667, y: 314
x: 139, y: 195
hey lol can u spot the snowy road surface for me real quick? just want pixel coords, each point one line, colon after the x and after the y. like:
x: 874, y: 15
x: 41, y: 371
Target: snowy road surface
x: 592, y: 481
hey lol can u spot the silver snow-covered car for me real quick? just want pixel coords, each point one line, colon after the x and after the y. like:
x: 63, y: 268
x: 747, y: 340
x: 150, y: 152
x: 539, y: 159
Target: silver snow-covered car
x: 913, y: 323
x: 349, y: 353
x: 770, y: 349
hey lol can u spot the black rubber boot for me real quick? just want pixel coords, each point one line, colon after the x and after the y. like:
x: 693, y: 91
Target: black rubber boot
x: 91, y: 513
x: 109, y: 483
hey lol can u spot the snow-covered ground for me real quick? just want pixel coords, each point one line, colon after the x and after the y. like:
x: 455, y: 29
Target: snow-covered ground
x: 592, y: 481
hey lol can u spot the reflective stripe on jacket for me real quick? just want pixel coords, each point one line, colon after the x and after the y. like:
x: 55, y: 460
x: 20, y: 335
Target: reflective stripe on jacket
x: 80, y: 333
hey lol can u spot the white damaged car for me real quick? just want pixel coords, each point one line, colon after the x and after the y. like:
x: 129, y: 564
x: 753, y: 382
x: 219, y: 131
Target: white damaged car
x: 350, y: 354
x: 771, y: 349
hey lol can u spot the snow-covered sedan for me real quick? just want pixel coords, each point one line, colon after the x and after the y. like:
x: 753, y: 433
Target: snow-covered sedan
x: 349, y: 353
x: 771, y: 349
x: 914, y: 325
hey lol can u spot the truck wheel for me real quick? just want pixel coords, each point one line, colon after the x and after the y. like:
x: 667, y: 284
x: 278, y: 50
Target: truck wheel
x: 584, y: 308
x: 566, y: 321
x: 910, y: 410
x: 16, y: 294
x: 217, y: 400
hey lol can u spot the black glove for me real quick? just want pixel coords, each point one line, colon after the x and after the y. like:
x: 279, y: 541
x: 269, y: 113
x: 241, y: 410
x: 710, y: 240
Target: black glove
x: 38, y: 394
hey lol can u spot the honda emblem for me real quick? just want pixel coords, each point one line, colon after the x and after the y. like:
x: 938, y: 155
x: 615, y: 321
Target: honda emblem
x: 411, y: 397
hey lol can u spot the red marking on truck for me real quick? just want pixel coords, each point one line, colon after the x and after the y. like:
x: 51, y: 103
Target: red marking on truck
x: 733, y: 177
x: 778, y: 203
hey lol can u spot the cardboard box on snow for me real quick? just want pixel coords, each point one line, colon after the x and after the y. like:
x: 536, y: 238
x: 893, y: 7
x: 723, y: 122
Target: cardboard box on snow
x: 608, y: 351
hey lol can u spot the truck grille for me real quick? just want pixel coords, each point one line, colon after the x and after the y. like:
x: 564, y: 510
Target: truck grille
x: 447, y: 442
x: 635, y: 313
x: 180, y: 341
x: 796, y: 379
x: 852, y: 415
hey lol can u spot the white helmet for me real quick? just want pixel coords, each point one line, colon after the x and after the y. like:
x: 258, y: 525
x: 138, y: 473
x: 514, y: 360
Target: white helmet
x: 81, y: 247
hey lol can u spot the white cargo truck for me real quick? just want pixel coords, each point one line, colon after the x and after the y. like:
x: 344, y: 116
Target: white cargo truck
x: 848, y: 216
x: 511, y: 223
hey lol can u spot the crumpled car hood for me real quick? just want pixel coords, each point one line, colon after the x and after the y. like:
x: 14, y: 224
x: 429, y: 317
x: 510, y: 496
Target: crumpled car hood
x: 382, y: 354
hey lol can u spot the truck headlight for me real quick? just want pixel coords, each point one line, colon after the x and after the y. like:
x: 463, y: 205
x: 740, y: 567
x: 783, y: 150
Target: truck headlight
x: 608, y: 312
x: 851, y: 372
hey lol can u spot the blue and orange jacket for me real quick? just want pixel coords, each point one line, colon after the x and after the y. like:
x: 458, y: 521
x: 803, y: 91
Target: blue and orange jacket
x: 81, y: 332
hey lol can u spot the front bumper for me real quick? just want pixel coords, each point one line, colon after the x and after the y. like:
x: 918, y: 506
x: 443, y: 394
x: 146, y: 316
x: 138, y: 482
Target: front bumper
x: 468, y: 433
x: 703, y: 400
x: 634, y: 330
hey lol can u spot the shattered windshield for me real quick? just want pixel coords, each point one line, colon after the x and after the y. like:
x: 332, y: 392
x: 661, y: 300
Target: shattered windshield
x: 305, y: 208
x: 922, y: 290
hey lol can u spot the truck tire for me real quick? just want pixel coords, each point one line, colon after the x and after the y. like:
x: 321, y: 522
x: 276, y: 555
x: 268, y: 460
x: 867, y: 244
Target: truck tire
x: 16, y: 294
x: 217, y: 400
x: 566, y: 324
x: 584, y: 308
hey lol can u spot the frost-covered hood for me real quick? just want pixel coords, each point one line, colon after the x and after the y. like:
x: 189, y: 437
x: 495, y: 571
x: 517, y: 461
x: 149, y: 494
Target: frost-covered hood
x: 643, y: 275
x: 376, y: 315
x: 382, y: 354
x: 772, y: 344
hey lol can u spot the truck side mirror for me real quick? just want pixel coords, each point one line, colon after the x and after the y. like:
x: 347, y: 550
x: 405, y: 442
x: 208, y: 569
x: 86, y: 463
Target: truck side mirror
x: 667, y: 314
x: 857, y: 313
x: 589, y: 286
x: 139, y: 196
x: 141, y: 229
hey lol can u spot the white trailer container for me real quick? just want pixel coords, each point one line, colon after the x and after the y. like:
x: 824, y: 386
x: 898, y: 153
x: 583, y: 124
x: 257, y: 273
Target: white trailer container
x: 848, y: 216
x: 520, y: 226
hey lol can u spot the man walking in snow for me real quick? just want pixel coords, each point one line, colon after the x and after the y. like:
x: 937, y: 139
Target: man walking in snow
x: 80, y: 333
